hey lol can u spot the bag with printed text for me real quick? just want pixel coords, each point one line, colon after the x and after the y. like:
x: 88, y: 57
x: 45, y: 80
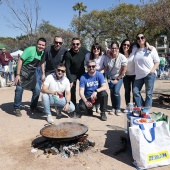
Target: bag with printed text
x: 150, y: 144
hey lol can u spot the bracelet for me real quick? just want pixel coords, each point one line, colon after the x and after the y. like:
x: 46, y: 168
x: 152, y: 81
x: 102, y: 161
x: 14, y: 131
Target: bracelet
x: 17, y: 74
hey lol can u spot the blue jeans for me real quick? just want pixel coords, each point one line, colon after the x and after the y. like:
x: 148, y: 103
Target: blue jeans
x: 8, y: 75
x: 48, y: 100
x: 35, y: 96
x: 149, y: 85
x: 161, y: 69
x: 115, y: 95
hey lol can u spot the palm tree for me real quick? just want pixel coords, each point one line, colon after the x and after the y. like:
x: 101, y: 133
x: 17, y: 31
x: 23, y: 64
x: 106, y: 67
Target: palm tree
x: 81, y: 8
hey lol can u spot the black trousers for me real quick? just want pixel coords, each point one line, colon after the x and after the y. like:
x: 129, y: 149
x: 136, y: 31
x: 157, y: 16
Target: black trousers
x: 102, y: 99
x: 128, y: 82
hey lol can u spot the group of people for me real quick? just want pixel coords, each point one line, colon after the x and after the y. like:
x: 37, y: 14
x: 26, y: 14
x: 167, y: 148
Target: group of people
x: 131, y: 65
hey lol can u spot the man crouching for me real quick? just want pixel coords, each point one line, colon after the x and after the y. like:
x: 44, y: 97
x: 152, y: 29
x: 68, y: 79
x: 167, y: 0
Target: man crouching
x: 93, y: 90
x: 54, y: 87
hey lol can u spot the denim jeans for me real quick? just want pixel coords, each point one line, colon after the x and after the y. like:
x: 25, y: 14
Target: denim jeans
x: 115, y: 95
x: 35, y: 96
x: 161, y: 69
x: 149, y: 85
x: 8, y: 76
x: 128, y: 82
x: 48, y: 100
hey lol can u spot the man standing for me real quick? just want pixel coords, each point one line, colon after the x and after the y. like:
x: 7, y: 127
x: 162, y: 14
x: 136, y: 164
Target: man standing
x: 74, y: 61
x: 53, y: 55
x: 93, y: 90
x: 26, y: 75
x: 5, y: 59
x: 53, y: 88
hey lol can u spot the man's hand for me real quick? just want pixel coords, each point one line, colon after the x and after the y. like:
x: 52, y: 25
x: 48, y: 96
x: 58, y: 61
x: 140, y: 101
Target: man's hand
x: 94, y: 95
x: 66, y: 107
x: 17, y: 79
x: 88, y: 104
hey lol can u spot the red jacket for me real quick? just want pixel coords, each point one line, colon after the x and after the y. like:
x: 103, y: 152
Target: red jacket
x: 5, y: 58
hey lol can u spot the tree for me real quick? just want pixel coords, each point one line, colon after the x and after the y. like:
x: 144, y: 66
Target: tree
x: 25, y: 17
x: 81, y: 8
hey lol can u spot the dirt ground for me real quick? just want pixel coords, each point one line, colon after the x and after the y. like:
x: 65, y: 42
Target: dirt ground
x: 17, y: 133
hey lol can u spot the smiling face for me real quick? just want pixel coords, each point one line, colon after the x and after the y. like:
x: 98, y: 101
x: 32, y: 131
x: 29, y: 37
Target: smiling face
x: 76, y: 45
x: 126, y: 46
x: 141, y: 40
x: 41, y: 46
x: 58, y: 41
x: 60, y: 70
x: 114, y: 50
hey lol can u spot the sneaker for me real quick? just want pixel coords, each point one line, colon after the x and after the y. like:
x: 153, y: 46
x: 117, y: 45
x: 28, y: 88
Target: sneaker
x: 36, y: 110
x: 50, y: 119
x: 118, y: 112
x: 103, y: 116
x: 98, y: 110
x: 18, y: 112
x: 112, y: 112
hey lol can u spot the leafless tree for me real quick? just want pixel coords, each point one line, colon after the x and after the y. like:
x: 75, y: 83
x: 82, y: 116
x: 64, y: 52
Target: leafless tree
x: 25, y: 16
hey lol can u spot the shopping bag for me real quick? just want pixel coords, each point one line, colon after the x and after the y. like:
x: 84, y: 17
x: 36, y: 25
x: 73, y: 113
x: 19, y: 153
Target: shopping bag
x: 150, y: 145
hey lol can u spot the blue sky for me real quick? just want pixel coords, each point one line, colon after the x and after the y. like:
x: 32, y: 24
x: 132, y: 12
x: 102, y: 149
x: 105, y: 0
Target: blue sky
x: 58, y: 12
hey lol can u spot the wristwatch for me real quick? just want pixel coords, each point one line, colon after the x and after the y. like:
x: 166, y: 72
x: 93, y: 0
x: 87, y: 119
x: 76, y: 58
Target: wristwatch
x: 68, y: 102
x: 96, y: 91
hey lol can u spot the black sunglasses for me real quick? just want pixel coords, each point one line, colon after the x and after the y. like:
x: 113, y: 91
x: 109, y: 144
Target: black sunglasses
x: 92, y: 66
x: 126, y: 45
x: 56, y: 42
x: 76, y: 44
x: 59, y: 70
x: 96, y: 48
x: 138, y: 38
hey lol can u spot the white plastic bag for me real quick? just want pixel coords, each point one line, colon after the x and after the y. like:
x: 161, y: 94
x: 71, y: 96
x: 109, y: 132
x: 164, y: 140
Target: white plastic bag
x: 150, y: 146
x: 2, y: 82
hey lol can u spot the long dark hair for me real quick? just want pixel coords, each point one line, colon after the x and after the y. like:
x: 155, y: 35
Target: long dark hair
x: 121, y: 46
x: 138, y: 46
x: 97, y: 45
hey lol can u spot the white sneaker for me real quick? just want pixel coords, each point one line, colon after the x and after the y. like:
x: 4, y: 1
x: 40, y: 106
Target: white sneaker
x: 112, y: 112
x: 50, y: 119
x: 118, y: 112
x: 98, y: 110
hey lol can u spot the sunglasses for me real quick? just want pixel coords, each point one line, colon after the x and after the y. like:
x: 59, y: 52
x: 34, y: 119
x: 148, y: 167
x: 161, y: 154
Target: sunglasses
x: 56, y: 42
x: 76, y: 44
x: 96, y: 48
x: 59, y: 70
x: 126, y: 45
x: 92, y: 66
x: 138, y: 38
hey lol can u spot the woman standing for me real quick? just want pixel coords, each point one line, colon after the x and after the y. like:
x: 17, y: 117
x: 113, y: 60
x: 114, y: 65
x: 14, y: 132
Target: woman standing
x: 116, y: 66
x: 146, y: 63
x: 128, y: 80
x: 96, y: 55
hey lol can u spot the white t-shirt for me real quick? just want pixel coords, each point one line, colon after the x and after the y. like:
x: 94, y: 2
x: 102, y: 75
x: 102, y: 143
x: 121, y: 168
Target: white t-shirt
x: 131, y: 65
x: 144, y: 61
x: 57, y: 85
x: 99, y: 61
x: 114, y: 66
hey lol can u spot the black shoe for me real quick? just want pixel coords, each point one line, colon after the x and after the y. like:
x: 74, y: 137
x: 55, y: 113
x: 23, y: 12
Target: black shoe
x: 103, y: 116
x: 74, y: 115
x: 90, y: 112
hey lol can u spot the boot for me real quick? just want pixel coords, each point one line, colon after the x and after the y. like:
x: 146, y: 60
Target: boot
x: 103, y: 116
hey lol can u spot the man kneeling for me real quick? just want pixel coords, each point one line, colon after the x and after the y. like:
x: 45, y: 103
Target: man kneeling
x: 93, y: 90
x: 53, y: 88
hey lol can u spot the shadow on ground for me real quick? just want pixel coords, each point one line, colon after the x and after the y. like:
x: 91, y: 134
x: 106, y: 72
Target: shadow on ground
x: 118, y: 145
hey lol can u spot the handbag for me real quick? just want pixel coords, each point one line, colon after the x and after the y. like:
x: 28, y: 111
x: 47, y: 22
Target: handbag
x: 150, y: 144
